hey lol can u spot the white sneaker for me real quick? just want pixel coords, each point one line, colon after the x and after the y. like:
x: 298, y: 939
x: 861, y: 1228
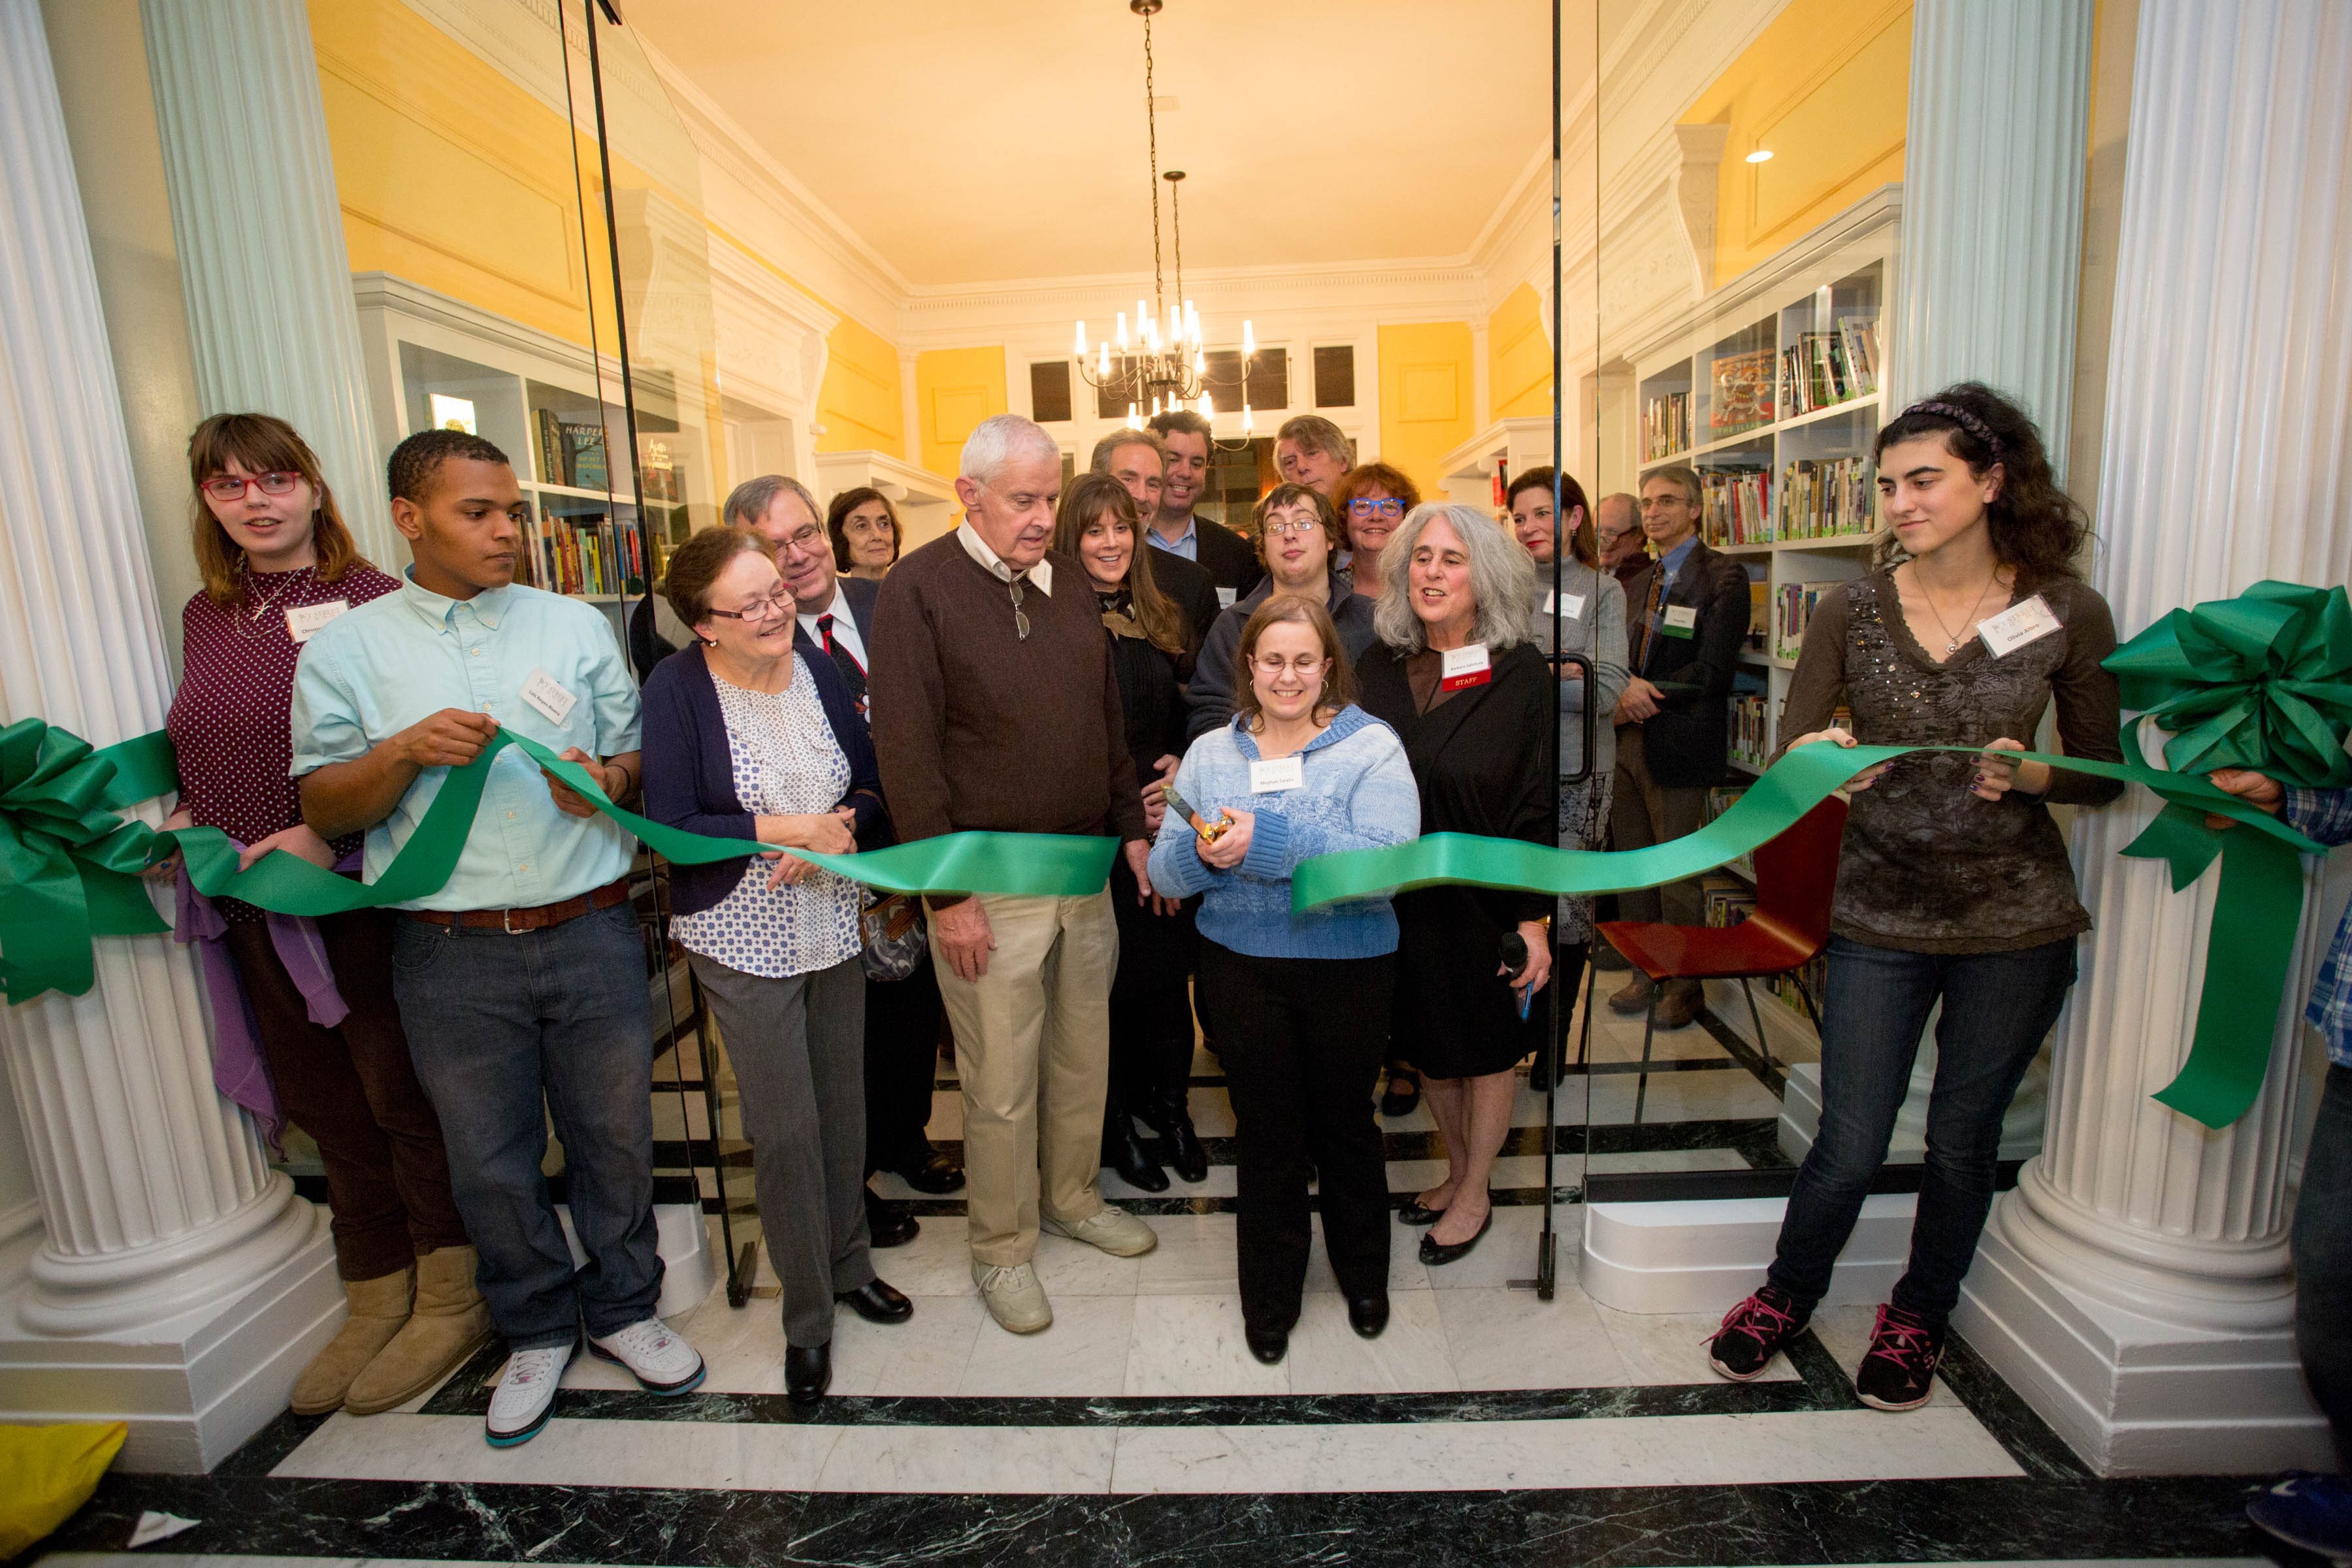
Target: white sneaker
x: 525, y: 1396
x: 1014, y: 1298
x: 659, y: 1360
x: 1114, y: 1230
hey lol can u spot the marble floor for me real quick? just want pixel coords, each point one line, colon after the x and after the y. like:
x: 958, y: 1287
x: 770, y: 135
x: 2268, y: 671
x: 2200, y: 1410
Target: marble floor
x: 1487, y: 1425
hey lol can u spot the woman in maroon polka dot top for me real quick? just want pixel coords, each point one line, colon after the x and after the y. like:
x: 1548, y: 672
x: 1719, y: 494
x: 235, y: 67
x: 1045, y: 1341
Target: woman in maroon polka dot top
x: 278, y: 564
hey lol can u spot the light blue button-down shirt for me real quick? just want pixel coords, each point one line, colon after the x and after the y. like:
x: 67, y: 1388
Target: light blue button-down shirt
x: 1188, y: 543
x: 374, y: 671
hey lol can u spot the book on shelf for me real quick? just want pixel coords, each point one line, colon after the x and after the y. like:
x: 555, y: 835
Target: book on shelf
x: 584, y: 450
x: 1743, y: 393
x: 1760, y: 615
x: 1666, y: 426
x: 659, y: 473
x: 1752, y: 730
x: 1724, y: 900
x: 1823, y: 497
x: 554, y: 455
x: 1721, y: 798
x: 1824, y: 369
x: 1736, y: 507
x: 1793, y: 611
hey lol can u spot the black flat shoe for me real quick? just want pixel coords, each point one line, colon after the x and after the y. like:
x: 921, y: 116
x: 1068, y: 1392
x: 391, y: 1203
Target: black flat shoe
x: 934, y: 1174
x: 1269, y: 1345
x: 888, y: 1222
x: 1412, y: 1212
x: 877, y: 1303
x: 1434, y: 1252
x: 1403, y: 1092
x: 808, y: 1373
x: 1368, y: 1315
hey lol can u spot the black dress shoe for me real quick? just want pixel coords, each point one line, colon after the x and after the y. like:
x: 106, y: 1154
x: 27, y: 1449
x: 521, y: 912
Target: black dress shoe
x: 1403, y: 1092
x: 888, y: 1222
x: 808, y: 1373
x: 1169, y: 1114
x: 877, y: 1303
x: 934, y: 1174
x: 1434, y: 1252
x: 1368, y: 1315
x: 1123, y: 1152
x: 1412, y: 1212
x: 1269, y: 1345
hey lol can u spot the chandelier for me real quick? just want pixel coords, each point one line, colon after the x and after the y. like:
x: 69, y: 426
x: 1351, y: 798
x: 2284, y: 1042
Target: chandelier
x: 1163, y: 366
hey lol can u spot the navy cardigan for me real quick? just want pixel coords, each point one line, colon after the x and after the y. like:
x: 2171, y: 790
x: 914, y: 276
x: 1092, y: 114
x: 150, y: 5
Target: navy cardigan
x: 689, y: 769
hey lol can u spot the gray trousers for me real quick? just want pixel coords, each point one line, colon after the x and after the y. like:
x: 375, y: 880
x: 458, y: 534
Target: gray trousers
x: 798, y: 1047
x: 1644, y: 812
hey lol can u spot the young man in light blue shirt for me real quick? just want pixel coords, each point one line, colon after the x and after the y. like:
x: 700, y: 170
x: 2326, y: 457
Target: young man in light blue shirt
x: 521, y: 980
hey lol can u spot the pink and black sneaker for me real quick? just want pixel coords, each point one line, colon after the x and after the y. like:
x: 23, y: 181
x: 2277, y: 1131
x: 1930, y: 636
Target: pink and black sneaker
x: 1899, y: 1373
x: 1752, y: 1334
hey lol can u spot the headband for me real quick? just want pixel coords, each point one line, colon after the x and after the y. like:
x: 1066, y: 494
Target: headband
x: 1961, y: 418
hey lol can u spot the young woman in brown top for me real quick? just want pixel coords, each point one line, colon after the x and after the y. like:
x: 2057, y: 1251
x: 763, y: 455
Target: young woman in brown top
x: 1953, y: 883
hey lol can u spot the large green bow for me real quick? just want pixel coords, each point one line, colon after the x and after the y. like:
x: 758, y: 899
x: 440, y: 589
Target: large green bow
x: 68, y: 864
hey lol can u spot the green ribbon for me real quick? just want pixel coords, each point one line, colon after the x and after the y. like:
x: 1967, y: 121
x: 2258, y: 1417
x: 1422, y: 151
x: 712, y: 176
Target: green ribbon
x: 70, y: 865
x: 2256, y: 912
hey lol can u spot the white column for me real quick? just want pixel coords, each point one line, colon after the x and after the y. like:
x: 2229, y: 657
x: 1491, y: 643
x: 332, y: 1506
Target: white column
x: 260, y: 236
x: 2134, y: 1286
x: 166, y: 1235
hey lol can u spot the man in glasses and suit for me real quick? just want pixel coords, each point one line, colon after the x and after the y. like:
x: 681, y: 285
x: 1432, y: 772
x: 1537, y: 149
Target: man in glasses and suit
x: 995, y: 709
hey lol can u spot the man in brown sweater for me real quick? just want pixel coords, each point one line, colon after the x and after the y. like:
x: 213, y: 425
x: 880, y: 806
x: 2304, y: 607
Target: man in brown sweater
x: 995, y: 709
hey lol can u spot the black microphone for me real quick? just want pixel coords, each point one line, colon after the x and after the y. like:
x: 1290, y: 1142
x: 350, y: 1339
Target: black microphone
x: 1515, y: 960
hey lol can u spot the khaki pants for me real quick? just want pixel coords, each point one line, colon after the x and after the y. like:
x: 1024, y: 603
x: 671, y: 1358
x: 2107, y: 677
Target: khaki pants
x: 1033, y: 1050
x: 1644, y: 812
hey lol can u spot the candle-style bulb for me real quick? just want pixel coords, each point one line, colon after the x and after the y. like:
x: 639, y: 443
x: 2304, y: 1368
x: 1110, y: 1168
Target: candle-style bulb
x: 1080, y: 350
x: 1122, y: 332
x: 1245, y: 418
x: 1134, y: 420
x: 1207, y: 412
x: 1249, y: 342
x: 1102, y: 365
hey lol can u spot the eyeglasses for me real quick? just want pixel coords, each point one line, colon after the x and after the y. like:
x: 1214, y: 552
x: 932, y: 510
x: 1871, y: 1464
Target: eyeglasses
x: 1280, y: 526
x: 232, y: 487
x: 779, y: 602
x: 1369, y: 508
x: 1020, y: 617
x: 807, y: 542
x: 1271, y: 665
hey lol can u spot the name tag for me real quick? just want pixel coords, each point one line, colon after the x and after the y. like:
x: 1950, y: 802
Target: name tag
x: 1464, y: 665
x: 2011, y: 629
x: 543, y: 693
x: 303, y: 621
x: 1679, y: 620
x: 1572, y: 606
x: 1226, y: 597
x: 1280, y: 773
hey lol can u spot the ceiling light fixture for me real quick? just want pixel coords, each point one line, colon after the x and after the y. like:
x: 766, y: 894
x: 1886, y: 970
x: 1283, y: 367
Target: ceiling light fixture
x: 1761, y: 155
x: 1164, y: 366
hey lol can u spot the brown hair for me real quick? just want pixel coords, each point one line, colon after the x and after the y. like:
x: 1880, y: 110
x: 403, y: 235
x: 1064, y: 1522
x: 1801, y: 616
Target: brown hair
x: 1583, y: 543
x: 1089, y: 497
x: 695, y: 565
x: 836, y: 523
x: 2035, y: 525
x: 1290, y: 492
x: 1338, y: 682
x: 1685, y: 479
x: 1313, y: 433
x: 259, y: 444
x: 1361, y: 482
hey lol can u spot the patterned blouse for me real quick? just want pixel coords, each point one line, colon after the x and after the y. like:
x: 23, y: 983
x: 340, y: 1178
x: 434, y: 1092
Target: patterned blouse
x: 229, y: 720
x: 787, y: 763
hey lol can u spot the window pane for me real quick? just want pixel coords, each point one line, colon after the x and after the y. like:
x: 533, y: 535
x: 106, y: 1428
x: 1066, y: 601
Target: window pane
x: 1334, y: 375
x: 1269, y: 379
x: 1049, y: 391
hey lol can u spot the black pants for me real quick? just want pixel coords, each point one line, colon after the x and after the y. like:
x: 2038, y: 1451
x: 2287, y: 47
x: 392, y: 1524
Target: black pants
x: 1997, y: 1006
x: 902, y: 1053
x: 1301, y: 1040
x: 2323, y: 1259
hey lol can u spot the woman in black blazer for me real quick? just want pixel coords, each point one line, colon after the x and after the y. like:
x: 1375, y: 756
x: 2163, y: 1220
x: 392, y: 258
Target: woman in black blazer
x: 1455, y: 675
x: 746, y: 737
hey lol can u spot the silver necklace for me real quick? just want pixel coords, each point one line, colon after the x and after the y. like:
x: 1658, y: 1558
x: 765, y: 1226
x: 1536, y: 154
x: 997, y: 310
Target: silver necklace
x: 1953, y: 645
x: 262, y: 606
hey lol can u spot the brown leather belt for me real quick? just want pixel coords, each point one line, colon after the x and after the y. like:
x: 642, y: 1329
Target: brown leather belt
x: 512, y: 922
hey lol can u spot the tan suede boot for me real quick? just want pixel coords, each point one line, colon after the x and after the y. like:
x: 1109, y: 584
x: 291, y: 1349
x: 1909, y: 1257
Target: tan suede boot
x: 379, y: 1306
x: 451, y: 1323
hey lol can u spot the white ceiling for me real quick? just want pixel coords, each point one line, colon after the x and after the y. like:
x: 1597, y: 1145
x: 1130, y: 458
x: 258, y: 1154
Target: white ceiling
x: 1001, y: 140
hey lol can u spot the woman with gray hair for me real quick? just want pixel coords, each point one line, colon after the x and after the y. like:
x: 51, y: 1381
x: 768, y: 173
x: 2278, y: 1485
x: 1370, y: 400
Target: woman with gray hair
x: 1456, y: 675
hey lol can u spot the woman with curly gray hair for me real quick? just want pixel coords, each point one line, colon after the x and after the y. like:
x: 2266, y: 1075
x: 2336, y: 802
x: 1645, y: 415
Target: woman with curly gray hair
x: 1457, y: 677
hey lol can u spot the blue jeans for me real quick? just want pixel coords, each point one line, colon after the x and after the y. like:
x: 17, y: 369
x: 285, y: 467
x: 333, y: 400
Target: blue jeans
x: 499, y: 1025
x: 2322, y: 1260
x: 1998, y: 1008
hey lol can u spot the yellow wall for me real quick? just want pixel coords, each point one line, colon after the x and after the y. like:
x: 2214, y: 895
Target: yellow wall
x: 1428, y: 398
x: 955, y: 389
x: 862, y: 403
x: 1519, y: 356
x: 1827, y: 89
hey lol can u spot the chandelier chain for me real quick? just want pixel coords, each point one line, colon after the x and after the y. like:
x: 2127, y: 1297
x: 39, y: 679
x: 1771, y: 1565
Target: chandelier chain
x: 1151, y: 127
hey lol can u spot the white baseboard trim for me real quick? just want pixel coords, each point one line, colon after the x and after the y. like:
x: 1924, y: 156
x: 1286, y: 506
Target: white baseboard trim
x: 688, y: 1271
x: 1702, y: 1254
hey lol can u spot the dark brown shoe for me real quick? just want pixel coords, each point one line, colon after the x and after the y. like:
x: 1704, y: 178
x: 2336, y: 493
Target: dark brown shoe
x: 1680, y: 1006
x: 1633, y: 998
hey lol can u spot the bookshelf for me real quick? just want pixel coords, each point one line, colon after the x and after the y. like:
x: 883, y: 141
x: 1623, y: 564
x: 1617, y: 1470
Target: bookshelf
x: 555, y: 409
x: 1772, y: 388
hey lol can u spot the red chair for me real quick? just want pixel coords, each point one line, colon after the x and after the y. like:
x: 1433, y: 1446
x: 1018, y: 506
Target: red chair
x: 1796, y: 876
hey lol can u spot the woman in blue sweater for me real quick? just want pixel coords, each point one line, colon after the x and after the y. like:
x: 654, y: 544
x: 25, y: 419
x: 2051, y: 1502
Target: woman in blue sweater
x: 1298, y: 1004
x: 746, y: 739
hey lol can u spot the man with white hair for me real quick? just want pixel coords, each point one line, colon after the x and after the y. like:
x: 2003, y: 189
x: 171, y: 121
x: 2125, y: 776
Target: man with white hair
x: 995, y: 709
